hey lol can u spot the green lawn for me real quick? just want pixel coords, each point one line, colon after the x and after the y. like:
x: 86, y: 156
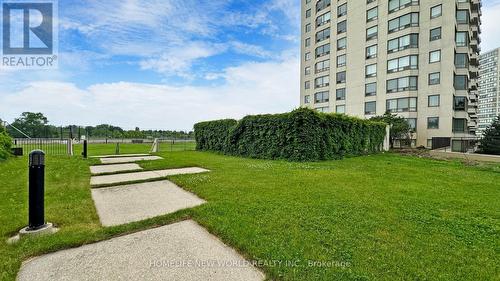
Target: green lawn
x: 381, y: 217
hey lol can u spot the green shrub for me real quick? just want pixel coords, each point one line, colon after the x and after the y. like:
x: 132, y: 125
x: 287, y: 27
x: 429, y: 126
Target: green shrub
x: 5, y: 144
x: 301, y: 135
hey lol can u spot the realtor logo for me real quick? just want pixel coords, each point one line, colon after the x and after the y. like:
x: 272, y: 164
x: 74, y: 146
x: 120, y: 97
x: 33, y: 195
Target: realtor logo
x: 29, y: 34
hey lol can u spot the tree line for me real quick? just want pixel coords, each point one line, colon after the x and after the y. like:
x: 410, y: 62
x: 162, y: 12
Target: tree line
x: 36, y: 125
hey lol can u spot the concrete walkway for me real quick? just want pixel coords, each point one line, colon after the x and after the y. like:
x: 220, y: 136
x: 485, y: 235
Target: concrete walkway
x: 107, y: 169
x: 139, y: 176
x: 117, y: 160
x: 119, y: 155
x: 130, y: 203
x: 180, y: 251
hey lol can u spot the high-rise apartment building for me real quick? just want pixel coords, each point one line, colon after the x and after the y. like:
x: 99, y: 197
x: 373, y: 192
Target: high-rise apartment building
x: 489, y: 90
x: 418, y: 59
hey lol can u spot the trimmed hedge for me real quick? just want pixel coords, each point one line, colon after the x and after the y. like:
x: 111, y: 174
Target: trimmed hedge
x: 5, y: 144
x: 301, y: 135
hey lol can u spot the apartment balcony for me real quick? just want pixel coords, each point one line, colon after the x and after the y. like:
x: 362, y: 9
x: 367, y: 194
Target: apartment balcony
x: 474, y: 59
x: 472, y: 124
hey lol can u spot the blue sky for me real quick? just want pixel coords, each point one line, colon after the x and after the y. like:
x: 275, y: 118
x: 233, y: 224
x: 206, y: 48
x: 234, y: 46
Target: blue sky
x: 168, y: 64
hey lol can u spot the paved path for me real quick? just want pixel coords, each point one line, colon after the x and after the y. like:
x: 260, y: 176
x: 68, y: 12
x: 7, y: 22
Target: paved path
x: 119, y: 155
x: 106, y: 169
x: 129, y: 203
x: 117, y: 160
x: 181, y: 251
x: 146, y: 175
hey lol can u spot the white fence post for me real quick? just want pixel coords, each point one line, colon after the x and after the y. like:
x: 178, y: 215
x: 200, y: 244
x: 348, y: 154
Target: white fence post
x: 387, y: 142
x: 70, y: 147
x: 154, y: 148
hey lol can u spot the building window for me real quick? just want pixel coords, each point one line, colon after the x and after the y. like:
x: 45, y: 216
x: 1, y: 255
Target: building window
x: 370, y: 108
x: 435, y: 56
x: 396, y: 5
x: 462, y: 16
x: 322, y: 66
x: 323, y: 50
x: 340, y: 94
x: 323, y: 81
x: 403, y: 22
x: 341, y: 60
x: 307, y: 85
x: 308, y: 13
x: 459, y: 103
x: 371, y: 89
x: 307, y: 99
x: 402, y: 43
x: 371, y: 70
x: 341, y: 77
x: 307, y: 70
x: 340, y: 109
x: 323, y: 109
x: 323, y: 19
x: 434, y: 78
x: 433, y: 101
x: 308, y: 42
x: 308, y: 27
x: 371, y: 52
x: 322, y: 35
x: 436, y: 11
x: 371, y: 33
x: 435, y: 34
x: 322, y: 4
x: 433, y: 123
x: 413, y: 124
x: 341, y: 43
x: 402, y: 105
x: 372, y: 14
x: 461, y: 60
x: 459, y: 125
x: 402, y: 84
x: 307, y: 56
x: 342, y: 10
x: 402, y: 63
x: 342, y: 27
x: 460, y: 82
x: 462, y: 39
x: 322, y: 97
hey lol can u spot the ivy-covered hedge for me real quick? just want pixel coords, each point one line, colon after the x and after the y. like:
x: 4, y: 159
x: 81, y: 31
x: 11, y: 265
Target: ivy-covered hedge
x: 5, y: 144
x: 213, y: 135
x: 301, y: 135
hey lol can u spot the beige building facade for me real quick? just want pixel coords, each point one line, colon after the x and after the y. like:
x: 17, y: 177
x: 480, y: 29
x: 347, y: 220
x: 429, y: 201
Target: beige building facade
x: 417, y: 59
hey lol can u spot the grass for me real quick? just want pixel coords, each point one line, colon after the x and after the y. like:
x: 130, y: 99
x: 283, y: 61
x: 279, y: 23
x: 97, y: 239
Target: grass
x: 380, y: 217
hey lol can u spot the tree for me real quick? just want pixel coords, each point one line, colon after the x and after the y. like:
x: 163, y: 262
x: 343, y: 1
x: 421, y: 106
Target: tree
x: 5, y: 143
x: 490, y: 144
x: 400, y: 128
x: 32, y: 124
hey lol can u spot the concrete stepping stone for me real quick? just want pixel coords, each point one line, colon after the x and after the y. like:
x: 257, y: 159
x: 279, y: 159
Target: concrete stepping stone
x: 117, y: 160
x: 146, y: 175
x: 180, y: 251
x: 120, y: 155
x: 105, y: 169
x: 130, y: 203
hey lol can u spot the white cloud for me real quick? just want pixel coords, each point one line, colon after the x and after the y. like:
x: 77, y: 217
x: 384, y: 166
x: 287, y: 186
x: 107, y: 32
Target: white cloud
x: 490, y: 37
x: 251, y: 88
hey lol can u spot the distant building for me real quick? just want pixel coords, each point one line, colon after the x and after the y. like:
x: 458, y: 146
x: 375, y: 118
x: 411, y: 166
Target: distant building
x: 489, y: 89
x: 418, y: 59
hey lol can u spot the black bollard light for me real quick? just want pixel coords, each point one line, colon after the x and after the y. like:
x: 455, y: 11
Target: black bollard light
x: 117, y: 150
x: 36, y: 190
x: 85, y: 151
